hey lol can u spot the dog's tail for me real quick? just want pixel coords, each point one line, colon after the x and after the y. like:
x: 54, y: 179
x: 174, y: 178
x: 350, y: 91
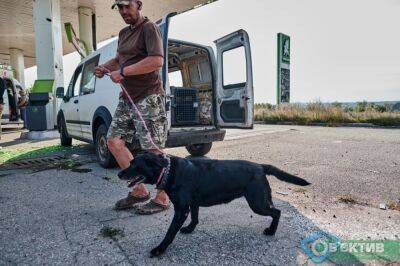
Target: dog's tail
x: 281, y: 175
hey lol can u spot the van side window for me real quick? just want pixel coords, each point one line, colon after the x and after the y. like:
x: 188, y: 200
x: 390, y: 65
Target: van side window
x: 77, y: 84
x: 74, y: 85
x: 175, y: 78
x: 234, y: 67
x: 88, y: 77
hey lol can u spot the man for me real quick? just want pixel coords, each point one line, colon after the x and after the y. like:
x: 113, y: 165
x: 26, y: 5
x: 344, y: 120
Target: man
x: 22, y: 104
x: 137, y: 67
x: 2, y: 89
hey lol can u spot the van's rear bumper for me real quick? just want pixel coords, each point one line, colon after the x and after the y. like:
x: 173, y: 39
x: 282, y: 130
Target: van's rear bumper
x: 179, y: 139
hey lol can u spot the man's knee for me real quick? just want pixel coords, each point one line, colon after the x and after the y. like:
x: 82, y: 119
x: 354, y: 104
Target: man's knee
x: 115, y: 144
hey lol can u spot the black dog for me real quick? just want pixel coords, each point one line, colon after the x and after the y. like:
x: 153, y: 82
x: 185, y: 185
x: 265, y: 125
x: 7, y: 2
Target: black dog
x: 194, y: 183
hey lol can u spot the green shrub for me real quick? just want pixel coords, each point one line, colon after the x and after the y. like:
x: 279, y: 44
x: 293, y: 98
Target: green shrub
x: 361, y: 106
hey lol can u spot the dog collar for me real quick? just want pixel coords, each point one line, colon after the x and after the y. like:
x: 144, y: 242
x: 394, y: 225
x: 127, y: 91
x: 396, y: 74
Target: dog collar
x: 164, y: 174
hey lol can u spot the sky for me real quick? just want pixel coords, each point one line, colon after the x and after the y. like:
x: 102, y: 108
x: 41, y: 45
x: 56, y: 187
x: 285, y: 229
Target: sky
x: 341, y: 50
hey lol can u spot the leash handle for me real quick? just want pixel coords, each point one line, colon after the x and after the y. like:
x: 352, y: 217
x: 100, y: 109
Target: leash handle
x: 148, y: 135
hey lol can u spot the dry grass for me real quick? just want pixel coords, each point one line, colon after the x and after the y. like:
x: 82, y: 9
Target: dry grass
x: 394, y: 206
x: 317, y: 112
x: 348, y: 199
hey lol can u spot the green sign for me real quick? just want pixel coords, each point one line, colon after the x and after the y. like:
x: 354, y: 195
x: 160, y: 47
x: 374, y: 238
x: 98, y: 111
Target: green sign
x: 283, y: 76
x: 79, y: 45
x: 43, y: 86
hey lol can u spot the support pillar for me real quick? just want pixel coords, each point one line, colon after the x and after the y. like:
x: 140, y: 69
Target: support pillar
x: 18, y: 63
x: 49, y: 51
x: 86, y: 27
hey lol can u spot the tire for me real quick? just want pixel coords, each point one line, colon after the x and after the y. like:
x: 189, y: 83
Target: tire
x: 66, y: 141
x: 104, y: 156
x: 199, y: 149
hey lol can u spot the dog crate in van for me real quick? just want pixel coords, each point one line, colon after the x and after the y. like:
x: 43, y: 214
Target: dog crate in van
x: 185, y: 106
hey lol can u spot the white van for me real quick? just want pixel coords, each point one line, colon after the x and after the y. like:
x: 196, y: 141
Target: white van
x: 198, y: 109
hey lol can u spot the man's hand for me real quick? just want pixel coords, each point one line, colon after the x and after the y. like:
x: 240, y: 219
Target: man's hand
x: 116, y: 77
x: 100, y: 71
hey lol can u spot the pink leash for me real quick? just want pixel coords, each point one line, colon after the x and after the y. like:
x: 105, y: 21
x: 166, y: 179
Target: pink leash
x: 148, y: 135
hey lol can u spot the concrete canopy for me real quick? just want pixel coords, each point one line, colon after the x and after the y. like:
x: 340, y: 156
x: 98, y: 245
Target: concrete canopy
x: 17, y: 28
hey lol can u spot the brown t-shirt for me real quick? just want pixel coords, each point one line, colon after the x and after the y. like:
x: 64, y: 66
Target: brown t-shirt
x: 134, y: 45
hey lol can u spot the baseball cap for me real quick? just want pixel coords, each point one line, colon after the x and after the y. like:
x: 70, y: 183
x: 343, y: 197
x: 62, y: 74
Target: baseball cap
x: 121, y: 2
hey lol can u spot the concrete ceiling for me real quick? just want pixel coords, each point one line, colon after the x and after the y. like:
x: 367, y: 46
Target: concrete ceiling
x: 17, y: 30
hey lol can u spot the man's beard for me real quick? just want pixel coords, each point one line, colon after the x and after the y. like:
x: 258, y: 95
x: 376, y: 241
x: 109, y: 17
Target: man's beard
x: 130, y: 20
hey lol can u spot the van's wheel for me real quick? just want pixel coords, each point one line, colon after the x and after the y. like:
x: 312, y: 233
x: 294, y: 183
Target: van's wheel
x: 199, y: 149
x: 65, y: 140
x: 104, y: 156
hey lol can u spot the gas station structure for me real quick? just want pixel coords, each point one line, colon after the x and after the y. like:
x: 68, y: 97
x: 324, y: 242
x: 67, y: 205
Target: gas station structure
x: 32, y: 31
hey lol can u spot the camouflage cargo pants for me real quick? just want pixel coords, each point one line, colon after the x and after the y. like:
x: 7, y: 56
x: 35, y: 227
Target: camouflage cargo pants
x: 127, y: 126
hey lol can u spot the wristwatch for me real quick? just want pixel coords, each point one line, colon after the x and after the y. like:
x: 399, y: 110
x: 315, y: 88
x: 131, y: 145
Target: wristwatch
x: 121, y: 72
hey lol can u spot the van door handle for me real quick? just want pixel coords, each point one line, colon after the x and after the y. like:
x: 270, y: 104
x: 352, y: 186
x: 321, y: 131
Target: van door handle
x: 76, y: 101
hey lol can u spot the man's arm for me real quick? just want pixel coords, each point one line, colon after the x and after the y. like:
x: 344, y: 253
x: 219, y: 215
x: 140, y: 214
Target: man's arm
x: 147, y: 65
x: 110, y: 65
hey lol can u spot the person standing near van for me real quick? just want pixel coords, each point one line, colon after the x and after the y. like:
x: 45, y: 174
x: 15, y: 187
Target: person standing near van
x: 2, y: 89
x: 137, y: 67
x: 22, y: 104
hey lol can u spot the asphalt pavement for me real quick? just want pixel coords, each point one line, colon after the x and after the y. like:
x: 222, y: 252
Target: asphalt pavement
x: 55, y: 217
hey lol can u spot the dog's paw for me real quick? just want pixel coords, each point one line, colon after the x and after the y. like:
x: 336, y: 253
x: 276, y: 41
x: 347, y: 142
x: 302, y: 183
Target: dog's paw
x: 187, y: 230
x: 269, y: 232
x: 155, y: 252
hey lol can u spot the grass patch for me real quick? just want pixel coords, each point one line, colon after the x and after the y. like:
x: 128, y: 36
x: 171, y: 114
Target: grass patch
x: 111, y: 232
x: 394, y: 206
x: 7, y: 156
x: 330, y: 114
x: 67, y: 164
x: 347, y: 199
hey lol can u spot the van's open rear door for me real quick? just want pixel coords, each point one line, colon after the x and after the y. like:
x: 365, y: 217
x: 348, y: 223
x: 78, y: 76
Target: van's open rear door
x: 235, y: 95
x: 163, y: 24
